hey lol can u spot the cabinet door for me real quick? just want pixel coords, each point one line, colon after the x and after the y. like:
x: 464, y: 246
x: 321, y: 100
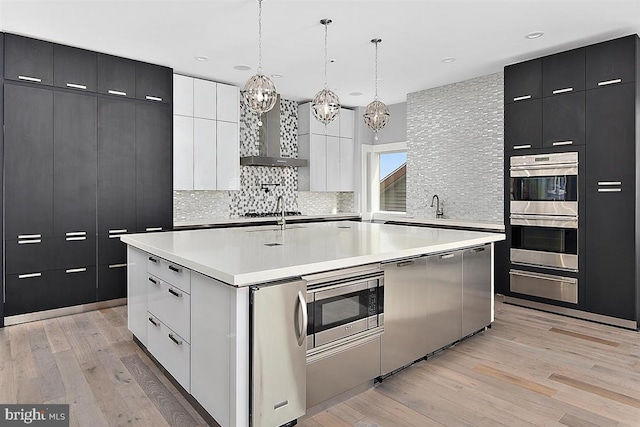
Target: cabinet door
x: 116, y: 76
x: 611, y: 62
x: 523, y: 125
x: 227, y: 101
x: 28, y: 162
x: 476, y: 289
x: 318, y: 162
x: 112, y: 282
x: 154, y: 174
x: 523, y: 81
x: 205, y: 100
x: 137, y: 280
x: 227, y: 156
x: 346, y: 164
x: 183, y: 153
x: 75, y: 159
x: 333, y: 163
x: 610, y: 134
x: 182, y: 95
x: 610, y: 252
x: 75, y: 68
x: 30, y: 255
x: 205, y: 155
x: 563, y: 120
x: 111, y: 250
x: 346, y: 123
x: 153, y: 82
x: 563, y: 72
x: 116, y: 166
x: 28, y: 60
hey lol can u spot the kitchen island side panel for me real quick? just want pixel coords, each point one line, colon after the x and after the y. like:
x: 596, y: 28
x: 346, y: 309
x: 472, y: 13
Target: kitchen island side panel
x: 2, y: 175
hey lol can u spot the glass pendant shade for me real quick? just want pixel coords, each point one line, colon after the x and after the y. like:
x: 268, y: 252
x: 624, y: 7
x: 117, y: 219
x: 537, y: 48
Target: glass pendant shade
x: 376, y: 115
x: 260, y: 93
x: 325, y: 106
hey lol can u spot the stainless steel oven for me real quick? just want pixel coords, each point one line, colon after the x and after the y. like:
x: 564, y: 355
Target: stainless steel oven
x: 544, y: 184
x: 344, y: 307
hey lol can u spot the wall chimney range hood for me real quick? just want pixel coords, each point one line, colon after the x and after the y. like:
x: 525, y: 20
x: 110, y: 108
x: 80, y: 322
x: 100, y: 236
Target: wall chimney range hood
x: 269, y: 143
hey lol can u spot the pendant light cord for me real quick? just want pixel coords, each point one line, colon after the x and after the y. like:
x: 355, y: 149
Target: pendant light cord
x: 376, y: 97
x: 326, y: 25
x: 259, y: 36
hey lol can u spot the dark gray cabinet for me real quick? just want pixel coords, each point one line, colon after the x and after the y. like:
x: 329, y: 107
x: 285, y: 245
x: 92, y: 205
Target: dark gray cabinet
x: 611, y: 62
x: 116, y: 76
x: 154, y: 83
x: 75, y: 68
x: 154, y: 168
x: 28, y: 60
x: 563, y: 120
x: 28, y: 162
x: 563, y: 72
x: 523, y: 81
x: 74, y: 164
x: 523, y: 125
x: 112, y: 282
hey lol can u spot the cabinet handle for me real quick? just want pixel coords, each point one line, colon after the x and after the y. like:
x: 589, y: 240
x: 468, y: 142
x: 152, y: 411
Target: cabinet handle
x: 405, y: 263
x: 117, y: 265
x: 30, y: 275
x: 30, y: 79
x: 609, y: 190
x: 609, y: 82
x: 555, y: 144
x: 179, y: 342
x: 152, y: 259
x: 153, y: 229
x: 176, y: 269
x: 29, y: 236
x: 153, y: 322
x: 447, y: 256
x: 522, y: 98
x: 609, y: 183
x: 116, y: 233
x: 479, y: 249
x: 75, y: 270
x: 29, y: 242
x: 520, y: 147
x: 76, y: 233
x: 152, y: 280
x: 153, y: 98
x: 567, y: 89
x: 69, y: 239
x: 174, y: 293
x: 76, y: 86
x: 117, y: 92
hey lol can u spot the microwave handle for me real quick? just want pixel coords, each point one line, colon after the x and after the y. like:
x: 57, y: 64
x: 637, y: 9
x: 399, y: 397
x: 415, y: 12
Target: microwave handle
x: 302, y: 334
x: 543, y: 166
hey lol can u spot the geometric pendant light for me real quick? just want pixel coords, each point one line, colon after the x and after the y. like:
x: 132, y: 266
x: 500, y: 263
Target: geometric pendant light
x: 325, y: 104
x: 376, y: 115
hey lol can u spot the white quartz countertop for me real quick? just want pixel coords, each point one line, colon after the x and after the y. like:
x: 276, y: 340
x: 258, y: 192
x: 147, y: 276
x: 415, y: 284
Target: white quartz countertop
x: 443, y: 222
x: 217, y: 221
x: 240, y: 257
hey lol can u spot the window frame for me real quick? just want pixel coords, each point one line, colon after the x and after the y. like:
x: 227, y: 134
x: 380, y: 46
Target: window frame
x: 370, y: 195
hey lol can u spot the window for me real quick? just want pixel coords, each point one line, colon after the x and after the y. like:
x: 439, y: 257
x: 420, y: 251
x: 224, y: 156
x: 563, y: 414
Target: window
x: 385, y: 177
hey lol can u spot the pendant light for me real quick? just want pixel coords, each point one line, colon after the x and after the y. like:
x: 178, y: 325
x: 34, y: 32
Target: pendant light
x: 259, y: 91
x: 377, y: 113
x: 325, y: 104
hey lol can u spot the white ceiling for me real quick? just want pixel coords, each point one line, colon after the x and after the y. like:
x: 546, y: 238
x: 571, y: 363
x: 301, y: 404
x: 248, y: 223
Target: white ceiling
x: 483, y: 36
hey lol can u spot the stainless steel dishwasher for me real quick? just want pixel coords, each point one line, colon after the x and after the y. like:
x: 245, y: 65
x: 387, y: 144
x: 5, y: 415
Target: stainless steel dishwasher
x: 476, y: 294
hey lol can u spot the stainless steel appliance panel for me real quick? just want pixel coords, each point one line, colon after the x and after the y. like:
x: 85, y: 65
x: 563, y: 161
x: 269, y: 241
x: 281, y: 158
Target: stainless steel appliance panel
x: 545, y: 159
x: 545, y: 259
x: 444, y: 300
x: 544, y: 286
x: 341, y: 331
x: 405, y: 311
x: 476, y: 291
x: 545, y: 221
x: 544, y: 207
x: 278, y: 353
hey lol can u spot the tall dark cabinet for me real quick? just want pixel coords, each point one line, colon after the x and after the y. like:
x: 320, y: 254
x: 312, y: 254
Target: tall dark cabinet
x: 87, y: 158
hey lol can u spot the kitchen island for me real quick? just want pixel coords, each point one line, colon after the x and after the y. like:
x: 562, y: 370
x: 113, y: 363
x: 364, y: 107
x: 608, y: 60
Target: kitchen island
x: 189, y: 302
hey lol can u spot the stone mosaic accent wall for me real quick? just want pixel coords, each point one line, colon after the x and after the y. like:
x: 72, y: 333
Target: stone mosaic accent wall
x: 455, y: 149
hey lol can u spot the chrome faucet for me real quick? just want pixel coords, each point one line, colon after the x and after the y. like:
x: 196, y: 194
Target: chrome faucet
x: 439, y: 212
x: 282, y: 222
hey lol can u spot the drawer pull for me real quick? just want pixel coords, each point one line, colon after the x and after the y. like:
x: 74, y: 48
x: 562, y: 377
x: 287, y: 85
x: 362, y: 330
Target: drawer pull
x: 114, y: 234
x: 567, y: 89
x: 174, y: 293
x: 30, y: 275
x: 520, y: 147
x: 117, y: 265
x: 522, y: 98
x: 152, y: 259
x: 117, y: 92
x: 76, y: 86
x: 609, y: 183
x: 153, y: 98
x: 179, y: 342
x: 75, y: 270
x: 152, y: 280
x: 153, y: 229
x: 29, y: 236
x: 557, y: 143
x: 405, y: 263
x: 153, y: 322
x: 609, y: 82
x: 29, y: 242
x: 479, y: 249
x: 447, y: 256
x: 69, y: 239
x: 30, y: 79
x: 76, y: 233
x: 609, y: 190
x: 175, y: 269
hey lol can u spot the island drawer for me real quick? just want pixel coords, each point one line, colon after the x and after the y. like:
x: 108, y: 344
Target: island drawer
x: 170, y: 349
x: 172, y: 273
x: 171, y: 305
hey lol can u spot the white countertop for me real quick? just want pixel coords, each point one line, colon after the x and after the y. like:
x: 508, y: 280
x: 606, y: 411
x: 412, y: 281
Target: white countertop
x: 239, y: 257
x: 444, y: 222
x: 217, y: 221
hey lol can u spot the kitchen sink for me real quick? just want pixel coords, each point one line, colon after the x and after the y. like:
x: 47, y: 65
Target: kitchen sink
x: 277, y: 228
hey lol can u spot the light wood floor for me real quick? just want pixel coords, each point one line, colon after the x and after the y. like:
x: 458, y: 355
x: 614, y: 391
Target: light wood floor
x: 531, y: 368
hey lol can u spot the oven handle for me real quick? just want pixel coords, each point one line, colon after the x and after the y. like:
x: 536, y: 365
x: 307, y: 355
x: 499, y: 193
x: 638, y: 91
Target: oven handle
x: 545, y: 166
x: 544, y: 221
x: 342, y: 289
x: 302, y: 334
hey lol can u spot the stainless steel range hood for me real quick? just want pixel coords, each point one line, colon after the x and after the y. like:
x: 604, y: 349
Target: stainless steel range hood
x: 269, y: 143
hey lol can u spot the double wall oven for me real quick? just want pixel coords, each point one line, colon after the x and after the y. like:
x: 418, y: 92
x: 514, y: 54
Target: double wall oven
x: 544, y: 225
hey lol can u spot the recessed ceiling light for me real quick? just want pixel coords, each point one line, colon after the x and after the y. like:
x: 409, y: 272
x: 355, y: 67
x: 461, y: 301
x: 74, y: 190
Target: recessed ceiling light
x: 448, y: 60
x: 534, y: 35
x: 202, y: 58
x: 242, y: 67
x: 276, y: 76
x: 355, y: 93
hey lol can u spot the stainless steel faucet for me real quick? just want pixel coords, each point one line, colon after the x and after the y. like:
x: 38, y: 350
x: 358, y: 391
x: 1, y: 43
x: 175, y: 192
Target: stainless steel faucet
x: 282, y: 222
x: 439, y: 212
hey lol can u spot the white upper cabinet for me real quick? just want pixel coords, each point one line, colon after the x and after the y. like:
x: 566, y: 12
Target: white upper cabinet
x: 334, y: 164
x: 204, y: 99
x: 182, y: 152
x: 346, y: 164
x: 228, y: 103
x: 182, y: 95
x: 307, y: 123
x: 204, y: 154
x: 228, y: 158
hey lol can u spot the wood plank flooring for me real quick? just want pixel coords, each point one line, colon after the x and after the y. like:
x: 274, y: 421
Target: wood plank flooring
x: 529, y: 369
